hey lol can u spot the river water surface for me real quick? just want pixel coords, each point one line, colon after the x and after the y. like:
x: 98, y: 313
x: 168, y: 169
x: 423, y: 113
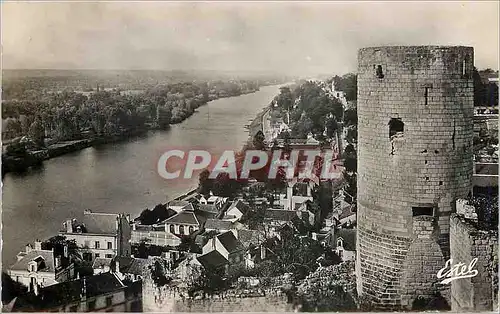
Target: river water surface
x: 120, y: 177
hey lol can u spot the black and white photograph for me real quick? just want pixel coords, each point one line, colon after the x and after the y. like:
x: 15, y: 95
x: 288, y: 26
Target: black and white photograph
x: 249, y: 156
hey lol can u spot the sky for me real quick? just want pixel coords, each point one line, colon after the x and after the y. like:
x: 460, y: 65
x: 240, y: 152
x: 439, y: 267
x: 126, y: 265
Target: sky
x: 280, y: 37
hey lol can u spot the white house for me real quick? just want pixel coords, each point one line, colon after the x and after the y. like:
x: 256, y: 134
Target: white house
x: 41, y: 268
x: 345, y: 244
x: 227, y: 245
x: 237, y: 210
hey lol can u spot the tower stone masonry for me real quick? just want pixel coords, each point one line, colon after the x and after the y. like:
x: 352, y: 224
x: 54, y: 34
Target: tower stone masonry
x: 415, y: 130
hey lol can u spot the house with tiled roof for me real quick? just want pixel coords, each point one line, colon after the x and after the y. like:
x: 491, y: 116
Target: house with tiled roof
x: 276, y: 219
x: 343, y: 242
x: 126, y: 268
x: 217, y: 201
x: 100, y: 234
x: 178, y: 205
x: 213, y: 260
x: 183, y: 223
x: 227, y: 245
x: 237, y: 209
x: 99, y: 293
x: 41, y: 268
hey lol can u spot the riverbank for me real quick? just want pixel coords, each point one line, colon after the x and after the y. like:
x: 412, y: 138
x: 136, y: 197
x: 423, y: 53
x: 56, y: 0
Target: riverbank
x: 35, y: 158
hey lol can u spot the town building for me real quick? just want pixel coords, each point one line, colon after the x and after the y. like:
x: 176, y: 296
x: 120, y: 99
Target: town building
x: 41, y: 268
x: 227, y: 245
x: 236, y: 210
x: 99, y: 293
x: 100, y: 234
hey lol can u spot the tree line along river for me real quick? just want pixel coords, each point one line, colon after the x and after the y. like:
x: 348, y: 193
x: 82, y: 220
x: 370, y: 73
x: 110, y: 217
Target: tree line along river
x: 118, y: 177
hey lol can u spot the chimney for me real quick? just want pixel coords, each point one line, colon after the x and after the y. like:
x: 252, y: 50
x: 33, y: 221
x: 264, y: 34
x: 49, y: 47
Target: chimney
x: 38, y: 245
x: 69, y: 226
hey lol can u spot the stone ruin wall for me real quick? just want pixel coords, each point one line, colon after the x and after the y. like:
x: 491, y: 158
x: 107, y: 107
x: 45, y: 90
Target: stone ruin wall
x: 427, y: 166
x: 479, y: 293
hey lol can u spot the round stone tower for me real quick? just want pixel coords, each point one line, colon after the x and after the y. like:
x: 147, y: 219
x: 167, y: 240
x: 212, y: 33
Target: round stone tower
x: 415, y: 130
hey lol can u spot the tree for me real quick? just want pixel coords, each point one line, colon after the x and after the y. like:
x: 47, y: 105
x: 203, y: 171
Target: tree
x: 205, y: 184
x: 258, y: 142
x: 58, y: 244
x: 37, y: 132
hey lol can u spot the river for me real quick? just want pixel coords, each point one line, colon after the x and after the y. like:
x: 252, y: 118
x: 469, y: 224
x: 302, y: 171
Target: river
x: 120, y: 177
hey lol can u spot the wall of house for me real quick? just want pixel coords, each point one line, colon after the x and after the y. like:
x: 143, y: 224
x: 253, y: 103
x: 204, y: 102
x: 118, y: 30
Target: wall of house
x: 119, y: 303
x: 177, y: 228
x: 84, y: 239
x: 430, y: 164
x: 479, y: 293
x: 160, y: 238
x: 42, y: 278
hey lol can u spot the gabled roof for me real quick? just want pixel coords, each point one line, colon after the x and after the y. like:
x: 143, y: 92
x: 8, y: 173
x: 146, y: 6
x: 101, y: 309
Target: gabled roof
x: 202, y: 216
x: 230, y: 242
x: 281, y: 215
x: 69, y: 292
x: 348, y: 238
x: 238, y: 204
x: 249, y: 237
x: 48, y: 265
x: 99, y: 223
x: 212, y: 260
x: 129, y: 265
x: 186, y: 217
x: 346, y: 212
x: 178, y: 203
x: 100, y: 262
x: 208, y: 208
x: 218, y: 224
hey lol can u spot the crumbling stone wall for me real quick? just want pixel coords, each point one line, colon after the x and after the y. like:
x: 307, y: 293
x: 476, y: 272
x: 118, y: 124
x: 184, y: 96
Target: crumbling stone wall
x: 426, y: 163
x: 423, y: 261
x: 479, y: 293
x: 273, y: 303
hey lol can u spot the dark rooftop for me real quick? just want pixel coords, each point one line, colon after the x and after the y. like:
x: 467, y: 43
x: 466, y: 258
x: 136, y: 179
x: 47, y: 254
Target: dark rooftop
x: 212, y: 260
x: 230, y: 242
x: 69, y: 292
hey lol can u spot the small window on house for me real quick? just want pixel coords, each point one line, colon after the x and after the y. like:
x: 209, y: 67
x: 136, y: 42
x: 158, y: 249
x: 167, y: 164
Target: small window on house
x: 109, y: 255
x: 191, y: 229
x: 422, y: 211
x: 97, y: 245
x: 396, y: 127
x: 97, y: 255
x: 172, y: 229
x: 110, y: 245
x: 379, y: 72
x: 181, y: 230
x: 340, y: 243
x: 341, y: 253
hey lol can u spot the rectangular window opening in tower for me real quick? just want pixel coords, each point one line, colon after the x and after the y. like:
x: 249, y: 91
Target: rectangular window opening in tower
x: 422, y: 211
x: 379, y: 72
x: 396, y: 128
